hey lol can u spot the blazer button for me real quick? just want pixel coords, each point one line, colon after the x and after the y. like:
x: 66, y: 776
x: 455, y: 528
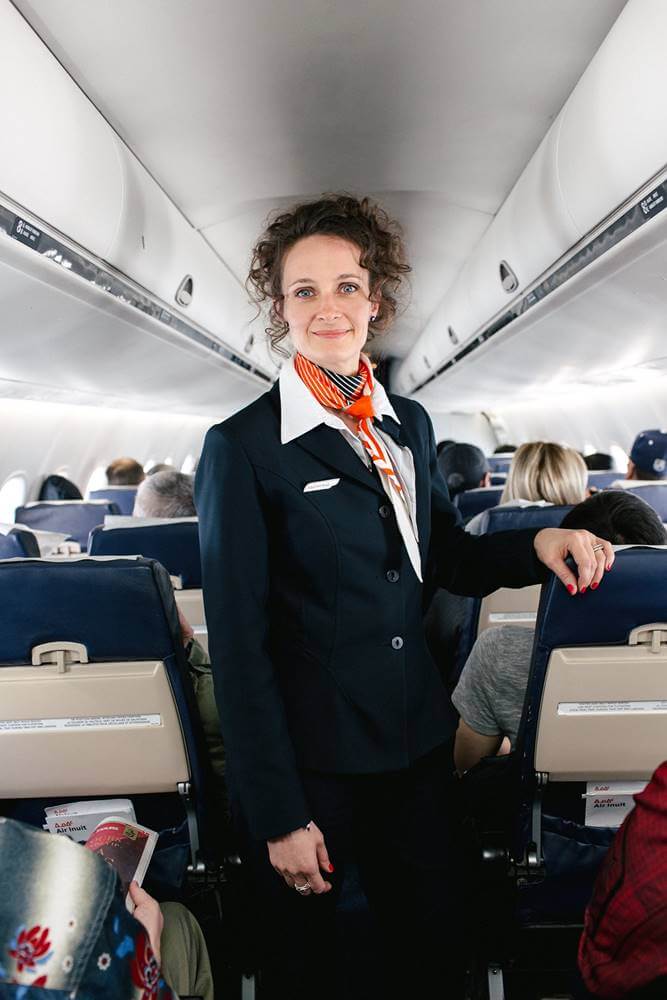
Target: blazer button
x: 397, y: 642
x: 392, y: 575
x: 385, y: 510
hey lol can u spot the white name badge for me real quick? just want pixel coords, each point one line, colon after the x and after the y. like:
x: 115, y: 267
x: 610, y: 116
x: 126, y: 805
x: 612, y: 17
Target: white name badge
x: 320, y: 484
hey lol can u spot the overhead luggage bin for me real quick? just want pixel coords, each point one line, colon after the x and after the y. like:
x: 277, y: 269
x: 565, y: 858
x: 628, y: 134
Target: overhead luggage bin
x: 562, y: 196
x: 67, y: 171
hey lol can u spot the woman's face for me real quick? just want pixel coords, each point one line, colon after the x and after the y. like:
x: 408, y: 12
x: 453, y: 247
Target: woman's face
x: 326, y: 301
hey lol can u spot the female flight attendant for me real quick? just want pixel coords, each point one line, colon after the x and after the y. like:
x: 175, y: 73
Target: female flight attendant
x: 322, y: 514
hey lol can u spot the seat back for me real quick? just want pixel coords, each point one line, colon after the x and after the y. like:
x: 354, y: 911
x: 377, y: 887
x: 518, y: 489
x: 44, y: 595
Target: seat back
x: 498, y: 478
x: 500, y: 462
x: 76, y: 518
x: 122, y: 496
x: 472, y: 502
x: 18, y: 544
x: 515, y: 518
x: 95, y: 696
x: 654, y: 494
x: 506, y: 606
x: 602, y: 479
x: 596, y: 705
x: 175, y: 544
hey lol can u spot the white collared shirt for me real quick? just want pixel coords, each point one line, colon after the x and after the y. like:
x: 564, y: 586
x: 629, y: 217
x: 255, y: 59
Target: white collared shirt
x: 300, y: 413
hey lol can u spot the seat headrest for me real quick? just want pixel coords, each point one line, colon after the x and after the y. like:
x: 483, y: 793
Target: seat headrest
x: 500, y: 463
x: 631, y: 594
x: 18, y: 544
x: 471, y: 502
x: 654, y: 494
x: 122, y: 496
x: 76, y: 518
x: 602, y: 478
x: 118, y: 608
x: 512, y: 518
x: 174, y: 544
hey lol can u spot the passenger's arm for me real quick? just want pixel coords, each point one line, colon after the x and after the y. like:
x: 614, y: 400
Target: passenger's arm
x: 234, y: 537
x: 470, y: 747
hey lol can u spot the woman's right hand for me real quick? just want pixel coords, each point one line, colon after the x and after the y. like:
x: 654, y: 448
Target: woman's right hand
x: 299, y: 856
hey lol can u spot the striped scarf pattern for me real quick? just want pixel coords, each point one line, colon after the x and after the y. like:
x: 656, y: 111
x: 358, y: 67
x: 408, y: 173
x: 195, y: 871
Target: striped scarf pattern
x: 352, y: 395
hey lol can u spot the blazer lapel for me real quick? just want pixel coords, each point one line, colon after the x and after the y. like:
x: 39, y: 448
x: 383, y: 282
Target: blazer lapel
x: 329, y: 447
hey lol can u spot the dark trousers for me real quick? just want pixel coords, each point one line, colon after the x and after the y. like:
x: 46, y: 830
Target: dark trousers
x: 400, y: 829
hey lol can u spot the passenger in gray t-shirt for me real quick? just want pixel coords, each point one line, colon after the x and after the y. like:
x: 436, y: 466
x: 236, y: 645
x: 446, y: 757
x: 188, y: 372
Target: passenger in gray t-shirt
x: 490, y: 693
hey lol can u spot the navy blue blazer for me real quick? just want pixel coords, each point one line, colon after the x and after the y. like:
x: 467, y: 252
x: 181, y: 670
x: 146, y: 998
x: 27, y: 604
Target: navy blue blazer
x: 314, y: 612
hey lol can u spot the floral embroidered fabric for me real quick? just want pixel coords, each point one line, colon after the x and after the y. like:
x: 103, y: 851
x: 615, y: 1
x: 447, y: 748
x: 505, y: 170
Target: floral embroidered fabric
x: 68, y: 932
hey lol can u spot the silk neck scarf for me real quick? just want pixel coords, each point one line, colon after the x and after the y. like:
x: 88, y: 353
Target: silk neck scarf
x: 352, y: 395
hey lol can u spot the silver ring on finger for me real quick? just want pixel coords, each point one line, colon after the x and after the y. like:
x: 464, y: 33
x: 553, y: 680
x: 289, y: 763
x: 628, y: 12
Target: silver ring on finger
x: 598, y: 547
x: 305, y: 888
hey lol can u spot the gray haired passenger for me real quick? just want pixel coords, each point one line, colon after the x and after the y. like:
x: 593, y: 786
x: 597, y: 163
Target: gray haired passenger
x: 165, y: 494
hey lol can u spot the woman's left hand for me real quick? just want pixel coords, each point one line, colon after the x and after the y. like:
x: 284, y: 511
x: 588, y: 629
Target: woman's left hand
x: 553, y: 545
x: 147, y: 911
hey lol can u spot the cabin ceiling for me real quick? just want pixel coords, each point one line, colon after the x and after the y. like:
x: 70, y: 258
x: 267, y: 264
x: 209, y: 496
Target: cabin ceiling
x: 435, y: 106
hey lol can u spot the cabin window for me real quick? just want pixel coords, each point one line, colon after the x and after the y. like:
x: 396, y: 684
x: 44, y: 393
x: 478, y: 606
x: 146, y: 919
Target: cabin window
x: 98, y: 480
x: 12, y: 495
x: 620, y: 458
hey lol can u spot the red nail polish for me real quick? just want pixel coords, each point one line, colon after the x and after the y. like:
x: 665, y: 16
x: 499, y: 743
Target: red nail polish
x: 594, y: 586
x: 583, y: 590
x: 331, y: 867
x: 608, y: 567
x: 571, y: 588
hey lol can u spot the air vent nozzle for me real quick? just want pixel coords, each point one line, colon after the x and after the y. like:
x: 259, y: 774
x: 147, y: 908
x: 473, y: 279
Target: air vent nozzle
x: 185, y: 291
x: 508, y: 278
x: 453, y: 336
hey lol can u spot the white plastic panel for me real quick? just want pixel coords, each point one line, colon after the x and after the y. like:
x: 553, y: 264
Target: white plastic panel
x: 614, y: 134
x: 157, y: 247
x: 607, y: 142
x: 59, y: 156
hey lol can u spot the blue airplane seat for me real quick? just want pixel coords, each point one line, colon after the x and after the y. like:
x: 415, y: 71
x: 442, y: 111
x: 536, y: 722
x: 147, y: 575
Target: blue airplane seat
x: 493, y: 520
x: 76, y: 518
x: 498, y: 478
x: 513, y: 518
x: 654, y: 494
x: 122, y: 496
x: 175, y: 544
x: 602, y: 479
x: 120, y: 610
x: 18, y: 544
x: 500, y: 463
x: 593, y: 711
x: 472, y: 502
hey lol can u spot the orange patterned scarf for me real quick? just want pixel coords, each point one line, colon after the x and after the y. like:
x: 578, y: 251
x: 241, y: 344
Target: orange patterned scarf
x: 352, y: 394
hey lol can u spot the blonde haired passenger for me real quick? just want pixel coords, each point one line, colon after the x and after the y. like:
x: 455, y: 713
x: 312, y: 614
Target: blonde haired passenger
x: 542, y: 472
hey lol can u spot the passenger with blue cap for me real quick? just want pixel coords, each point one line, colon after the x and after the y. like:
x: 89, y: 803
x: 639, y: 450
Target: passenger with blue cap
x: 648, y: 456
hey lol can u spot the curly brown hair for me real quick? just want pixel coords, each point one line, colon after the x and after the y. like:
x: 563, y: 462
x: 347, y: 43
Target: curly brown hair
x: 360, y: 221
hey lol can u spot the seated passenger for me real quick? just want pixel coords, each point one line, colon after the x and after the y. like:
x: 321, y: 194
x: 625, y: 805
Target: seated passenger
x: 124, y: 472
x: 490, y: 693
x: 464, y: 467
x: 623, y: 949
x: 599, y: 461
x: 166, y: 494
x: 64, y: 930
x: 58, y: 488
x: 441, y: 445
x: 159, y: 467
x: 648, y: 457
x: 542, y: 472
